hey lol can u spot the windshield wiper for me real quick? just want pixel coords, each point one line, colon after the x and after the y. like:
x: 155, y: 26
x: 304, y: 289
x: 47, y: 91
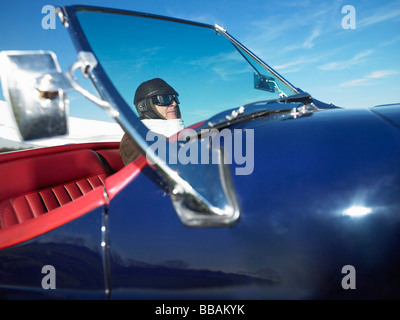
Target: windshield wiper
x: 302, y: 97
x: 294, y: 111
x: 248, y: 112
x: 232, y: 119
x: 260, y: 109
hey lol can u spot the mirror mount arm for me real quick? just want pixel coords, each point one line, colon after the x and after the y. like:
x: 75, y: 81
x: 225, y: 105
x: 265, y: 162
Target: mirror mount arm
x: 86, y: 62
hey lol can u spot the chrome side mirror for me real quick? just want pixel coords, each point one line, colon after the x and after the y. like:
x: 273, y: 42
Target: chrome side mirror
x: 34, y: 88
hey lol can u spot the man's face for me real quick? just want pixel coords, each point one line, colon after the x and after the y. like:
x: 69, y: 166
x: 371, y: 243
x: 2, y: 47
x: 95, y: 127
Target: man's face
x: 168, y: 112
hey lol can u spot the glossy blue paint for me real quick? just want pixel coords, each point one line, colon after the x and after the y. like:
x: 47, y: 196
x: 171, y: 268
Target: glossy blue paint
x: 390, y: 113
x: 74, y: 250
x: 292, y: 239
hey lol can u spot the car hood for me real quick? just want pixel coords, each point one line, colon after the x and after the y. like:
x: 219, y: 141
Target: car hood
x: 324, y: 163
x: 389, y: 112
x: 324, y: 193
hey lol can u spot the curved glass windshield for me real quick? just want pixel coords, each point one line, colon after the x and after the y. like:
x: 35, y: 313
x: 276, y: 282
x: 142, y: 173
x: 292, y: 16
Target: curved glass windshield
x: 210, y: 73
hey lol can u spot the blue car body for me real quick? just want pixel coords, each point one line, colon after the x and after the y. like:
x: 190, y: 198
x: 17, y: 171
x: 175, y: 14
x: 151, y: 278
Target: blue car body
x: 298, y: 229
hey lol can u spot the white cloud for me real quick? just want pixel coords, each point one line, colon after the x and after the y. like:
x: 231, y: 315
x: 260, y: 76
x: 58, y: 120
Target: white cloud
x: 384, y: 14
x: 308, y: 43
x: 381, y: 74
x: 390, y: 42
x: 294, y: 66
x: 341, y: 65
x: 368, y: 78
x: 302, y: 61
x: 277, y: 25
x: 288, y: 64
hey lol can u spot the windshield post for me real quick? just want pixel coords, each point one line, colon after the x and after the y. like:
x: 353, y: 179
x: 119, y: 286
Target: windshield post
x: 241, y: 47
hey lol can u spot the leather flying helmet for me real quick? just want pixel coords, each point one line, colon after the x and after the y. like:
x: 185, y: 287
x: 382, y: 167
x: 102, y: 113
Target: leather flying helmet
x: 147, y: 90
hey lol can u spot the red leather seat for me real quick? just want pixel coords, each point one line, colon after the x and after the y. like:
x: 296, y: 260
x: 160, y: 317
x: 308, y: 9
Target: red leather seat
x: 39, y: 184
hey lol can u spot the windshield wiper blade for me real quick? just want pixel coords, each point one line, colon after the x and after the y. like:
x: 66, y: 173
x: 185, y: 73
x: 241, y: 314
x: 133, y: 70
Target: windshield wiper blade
x: 242, y: 117
x: 302, y: 97
x: 258, y: 109
x: 245, y: 114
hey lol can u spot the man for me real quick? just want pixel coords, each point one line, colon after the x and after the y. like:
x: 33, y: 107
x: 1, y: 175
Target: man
x: 157, y: 104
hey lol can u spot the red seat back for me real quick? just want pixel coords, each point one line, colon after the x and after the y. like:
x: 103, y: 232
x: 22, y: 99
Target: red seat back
x: 39, y: 184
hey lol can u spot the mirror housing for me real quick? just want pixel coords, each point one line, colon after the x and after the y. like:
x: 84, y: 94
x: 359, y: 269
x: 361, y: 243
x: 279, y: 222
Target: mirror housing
x: 34, y: 88
x: 262, y: 82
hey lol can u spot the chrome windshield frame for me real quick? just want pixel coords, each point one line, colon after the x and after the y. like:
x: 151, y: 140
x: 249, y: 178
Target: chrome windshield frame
x: 217, y: 208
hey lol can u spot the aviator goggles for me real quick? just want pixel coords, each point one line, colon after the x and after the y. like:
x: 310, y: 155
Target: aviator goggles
x: 164, y: 99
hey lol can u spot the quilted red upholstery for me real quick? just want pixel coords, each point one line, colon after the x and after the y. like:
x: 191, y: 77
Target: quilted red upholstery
x: 34, y: 204
x: 37, y: 185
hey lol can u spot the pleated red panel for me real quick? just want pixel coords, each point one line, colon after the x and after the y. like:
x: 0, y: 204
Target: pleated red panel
x: 35, y: 204
x: 25, y: 207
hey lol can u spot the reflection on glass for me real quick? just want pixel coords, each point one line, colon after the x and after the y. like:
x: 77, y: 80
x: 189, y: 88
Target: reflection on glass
x: 208, y: 71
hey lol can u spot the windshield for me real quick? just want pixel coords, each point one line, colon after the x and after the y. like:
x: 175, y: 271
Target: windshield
x: 210, y: 72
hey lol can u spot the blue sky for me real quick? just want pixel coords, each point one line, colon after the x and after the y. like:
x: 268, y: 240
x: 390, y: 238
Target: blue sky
x: 303, y: 40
